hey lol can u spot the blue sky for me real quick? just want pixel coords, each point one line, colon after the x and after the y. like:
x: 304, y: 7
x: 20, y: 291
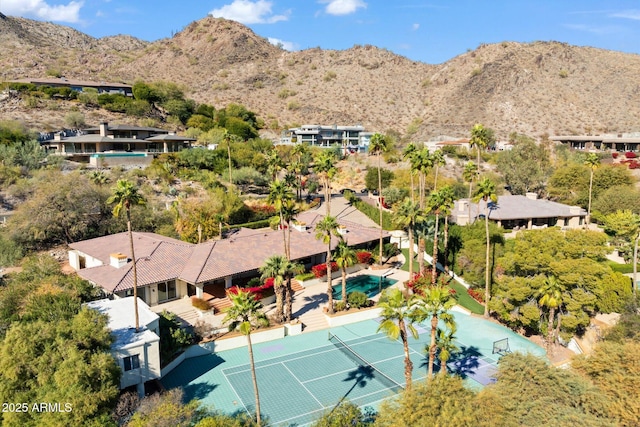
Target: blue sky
x: 428, y: 31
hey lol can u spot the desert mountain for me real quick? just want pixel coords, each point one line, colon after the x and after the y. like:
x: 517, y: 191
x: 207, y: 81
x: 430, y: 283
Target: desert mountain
x: 532, y: 88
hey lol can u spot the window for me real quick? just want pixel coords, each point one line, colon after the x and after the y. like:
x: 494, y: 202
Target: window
x: 166, y: 291
x: 131, y: 362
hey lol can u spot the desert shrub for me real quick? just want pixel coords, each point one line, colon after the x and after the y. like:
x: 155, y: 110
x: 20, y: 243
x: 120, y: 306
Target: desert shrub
x: 305, y: 276
x: 248, y: 175
x: 200, y: 304
x: 340, y: 306
x: 358, y: 299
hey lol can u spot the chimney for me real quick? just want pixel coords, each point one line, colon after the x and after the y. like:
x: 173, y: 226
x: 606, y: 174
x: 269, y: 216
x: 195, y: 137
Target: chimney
x: 342, y: 230
x: 103, y: 128
x: 57, y: 136
x: 462, y: 205
x: 118, y: 260
x: 532, y: 196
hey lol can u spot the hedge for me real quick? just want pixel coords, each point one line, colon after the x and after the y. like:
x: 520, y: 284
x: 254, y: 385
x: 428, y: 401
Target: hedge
x: 372, y: 212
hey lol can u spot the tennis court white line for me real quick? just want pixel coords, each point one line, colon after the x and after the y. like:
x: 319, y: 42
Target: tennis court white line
x: 305, y: 387
x: 236, y: 393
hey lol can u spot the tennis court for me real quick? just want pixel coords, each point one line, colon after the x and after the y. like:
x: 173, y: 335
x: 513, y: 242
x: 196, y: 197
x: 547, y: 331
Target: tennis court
x: 301, y: 377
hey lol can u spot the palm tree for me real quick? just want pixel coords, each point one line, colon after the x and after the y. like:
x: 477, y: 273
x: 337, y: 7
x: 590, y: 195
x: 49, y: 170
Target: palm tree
x: 324, y: 229
x: 279, y: 194
x: 124, y: 195
x: 550, y: 294
x: 244, y: 315
x: 377, y: 145
x: 434, y: 303
x: 436, y: 204
x: 274, y: 163
x: 226, y: 137
x: 448, y: 198
x: 276, y: 266
x: 480, y: 138
x: 397, y: 314
x: 289, y: 211
x: 409, y: 152
x: 437, y: 158
x: 406, y: 216
x: 486, y: 192
x: 345, y: 257
x: 422, y: 162
x: 470, y: 174
x: 592, y: 162
x: 299, y: 150
x: 325, y: 168
x: 445, y: 341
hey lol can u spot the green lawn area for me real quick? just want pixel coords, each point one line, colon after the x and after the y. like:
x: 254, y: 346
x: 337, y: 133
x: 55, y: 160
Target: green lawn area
x: 622, y: 268
x: 464, y: 299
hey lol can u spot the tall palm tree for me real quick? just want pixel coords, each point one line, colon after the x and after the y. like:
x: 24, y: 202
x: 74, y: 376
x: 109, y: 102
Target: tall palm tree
x: 274, y: 163
x: 289, y: 211
x: 550, y: 294
x: 377, y: 145
x: 470, y: 174
x: 409, y: 152
x: 448, y: 198
x: 345, y: 257
x: 244, y: 315
x: 592, y: 162
x: 279, y: 194
x: 437, y: 157
x: 422, y: 162
x: 480, y: 138
x: 299, y: 150
x: 325, y: 168
x: 398, y: 315
x: 324, y: 229
x: 406, y: 216
x: 445, y: 341
x: 226, y: 137
x: 435, y: 303
x: 486, y: 192
x: 125, y: 194
x: 436, y: 205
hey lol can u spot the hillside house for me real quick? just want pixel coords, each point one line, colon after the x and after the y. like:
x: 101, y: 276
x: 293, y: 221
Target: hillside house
x: 80, y: 85
x: 137, y: 353
x: 619, y: 142
x: 353, y: 139
x: 117, y: 144
x: 169, y: 269
x: 521, y: 213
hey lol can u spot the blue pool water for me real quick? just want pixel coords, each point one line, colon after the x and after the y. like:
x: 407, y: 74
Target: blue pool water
x: 370, y: 285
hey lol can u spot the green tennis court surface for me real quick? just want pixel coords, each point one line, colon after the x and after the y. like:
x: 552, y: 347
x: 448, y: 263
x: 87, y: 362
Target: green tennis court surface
x: 303, y: 376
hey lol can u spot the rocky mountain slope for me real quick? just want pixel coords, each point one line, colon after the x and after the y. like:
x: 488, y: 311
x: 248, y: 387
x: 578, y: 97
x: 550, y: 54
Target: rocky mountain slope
x: 534, y: 88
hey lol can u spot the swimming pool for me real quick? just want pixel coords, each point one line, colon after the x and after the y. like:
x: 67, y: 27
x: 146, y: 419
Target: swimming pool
x: 370, y: 285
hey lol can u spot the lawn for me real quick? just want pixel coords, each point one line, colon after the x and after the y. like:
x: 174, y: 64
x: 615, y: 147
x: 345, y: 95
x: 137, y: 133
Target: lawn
x: 464, y: 299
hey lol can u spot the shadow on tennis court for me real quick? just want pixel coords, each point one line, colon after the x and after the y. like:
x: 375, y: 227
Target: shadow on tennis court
x: 197, y: 391
x: 187, y: 372
x: 465, y: 362
x: 312, y: 302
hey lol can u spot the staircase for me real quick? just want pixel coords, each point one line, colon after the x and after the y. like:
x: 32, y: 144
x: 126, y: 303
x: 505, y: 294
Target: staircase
x: 296, y: 286
x: 220, y: 304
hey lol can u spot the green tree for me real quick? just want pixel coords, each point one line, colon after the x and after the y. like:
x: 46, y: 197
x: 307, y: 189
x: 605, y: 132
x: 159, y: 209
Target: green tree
x: 434, y: 303
x: 486, y: 192
x: 344, y: 414
x: 345, y: 257
x: 281, y: 270
x: 289, y: 211
x: 326, y: 227
x: 592, y: 162
x: 438, y: 159
x: 624, y: 226
x: 164, y: 410
x: 377, y: 145
x: 406, y: 216
x: 244, y: 315
x: 446, y: 344
x: 125, y: 194
x: 409, y: 152
x: 398, y: 316
x: 526, y: 167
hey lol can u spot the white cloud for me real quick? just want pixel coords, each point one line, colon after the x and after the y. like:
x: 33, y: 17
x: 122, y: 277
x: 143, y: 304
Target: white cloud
x: 249, y: 12
x: 627, y: 14
x: 343, y: 7
x: 40, y: 9
x: 290, y: 46
x: 415, y: 27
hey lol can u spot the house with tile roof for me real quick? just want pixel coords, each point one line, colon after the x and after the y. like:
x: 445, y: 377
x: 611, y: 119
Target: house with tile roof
x: 515, y: 212
x: 169, y: 269
x: 136, y: 352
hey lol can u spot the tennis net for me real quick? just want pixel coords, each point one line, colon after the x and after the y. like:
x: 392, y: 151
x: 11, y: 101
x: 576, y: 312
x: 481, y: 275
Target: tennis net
x: 379, y: 375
